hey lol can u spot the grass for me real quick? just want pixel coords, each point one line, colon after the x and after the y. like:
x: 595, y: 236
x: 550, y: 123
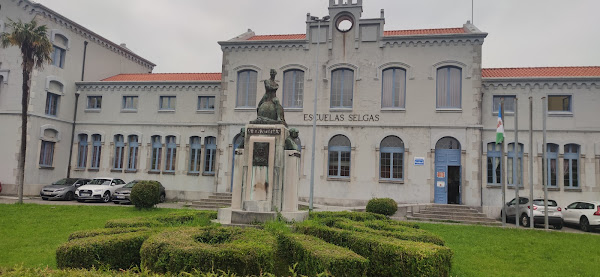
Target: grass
x: 30, y: 233
x: 493, y: 251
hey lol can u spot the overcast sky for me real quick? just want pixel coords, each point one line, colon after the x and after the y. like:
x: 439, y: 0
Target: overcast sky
x: 182, y: 35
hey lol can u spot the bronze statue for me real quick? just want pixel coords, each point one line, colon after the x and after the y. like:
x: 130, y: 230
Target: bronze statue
x: 269, y: 108
x: 243, y: 136
x: 290, y: 141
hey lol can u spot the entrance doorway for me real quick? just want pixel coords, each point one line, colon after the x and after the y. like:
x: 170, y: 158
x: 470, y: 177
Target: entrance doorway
x: 447, y: 171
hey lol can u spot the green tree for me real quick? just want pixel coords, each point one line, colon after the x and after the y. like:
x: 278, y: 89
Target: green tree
x: 36, y: 49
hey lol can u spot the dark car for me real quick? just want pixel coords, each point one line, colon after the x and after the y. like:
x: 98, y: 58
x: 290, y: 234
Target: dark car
x: 62, y: 189
x: 121, y: 195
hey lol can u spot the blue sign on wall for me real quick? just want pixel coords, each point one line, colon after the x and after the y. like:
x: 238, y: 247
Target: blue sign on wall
x: 419, y: 161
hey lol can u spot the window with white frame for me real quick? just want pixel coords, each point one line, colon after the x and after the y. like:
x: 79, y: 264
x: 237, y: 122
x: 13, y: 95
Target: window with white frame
x: 393, y: 88
x: 46, y: 153
x: 339, y: 150
x: 52, y: 101
x: 167, y: 103
x: 58, y: 56
x: 133, y: 149
x: 210, y: 147
x: 391, y: 159
x: 206, y: 103
x: 342, y: 87
x: 130, y: 102
x: 171, y: 153
x: 195, y: 154
x: 119, y: 152
x: 552, y: 164
x: 96, y: 151
x: 293, y: 88
x: 246, y: 89
x: 82, y: 151
x: 494, y: 167
x: 94, y: 102
x: 509, y: 163
x: 509, y: 103
x: 571, y: 166
x: 559, y: 103
x: 449, y: 87
x: 156, y: 153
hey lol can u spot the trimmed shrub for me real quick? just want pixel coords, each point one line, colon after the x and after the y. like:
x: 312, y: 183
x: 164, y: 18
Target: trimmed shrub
x: 356, y: 216
x: 315, y: 256
x: 116, y: 251
x: 145, y: 194
x: 97, y: 232
x: 196, y: 218
x: 387, y: 256
x: 384, y: 206
x: 241, y: 251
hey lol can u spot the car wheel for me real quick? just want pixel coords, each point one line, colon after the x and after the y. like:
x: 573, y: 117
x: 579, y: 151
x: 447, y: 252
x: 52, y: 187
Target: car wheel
x: 524, y: 220
x: 558, y: 226
x: 106, y: 197
x: 70, y: 196
x: 80, y: 200
x: 162, y: 198
x: 584, y: 224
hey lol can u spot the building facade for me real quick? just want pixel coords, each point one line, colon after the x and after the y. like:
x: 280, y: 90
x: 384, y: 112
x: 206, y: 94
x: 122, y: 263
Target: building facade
x: 406, y: 114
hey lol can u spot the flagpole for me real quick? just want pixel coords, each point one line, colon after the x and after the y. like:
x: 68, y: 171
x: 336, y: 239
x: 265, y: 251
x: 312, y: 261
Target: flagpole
x: 531, y: 221
x: 545, y: 162
x: 516, y: 161
x: 502, y: 168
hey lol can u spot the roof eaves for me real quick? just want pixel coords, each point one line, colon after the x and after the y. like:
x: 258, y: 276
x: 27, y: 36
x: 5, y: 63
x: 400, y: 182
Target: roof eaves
x: 154, y: 82
x: 437, y: 36
x: 539, y: 79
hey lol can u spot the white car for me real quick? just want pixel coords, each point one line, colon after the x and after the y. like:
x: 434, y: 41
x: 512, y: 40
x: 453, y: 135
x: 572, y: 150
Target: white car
x: 100, y: 189
x: 584, y: 213
x: 555, y: 217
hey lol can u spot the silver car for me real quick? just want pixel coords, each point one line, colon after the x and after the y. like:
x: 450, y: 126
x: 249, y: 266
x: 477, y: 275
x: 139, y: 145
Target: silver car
x: 121, y: 195
x: 555, y: 217
x: 63, y: 189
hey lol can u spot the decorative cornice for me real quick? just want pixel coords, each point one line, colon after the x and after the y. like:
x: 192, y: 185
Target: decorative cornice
x: 148, y: 86
x: 434, y: 40
x: 35, y: 8
x: 255, y: 45
x: 542, y: 83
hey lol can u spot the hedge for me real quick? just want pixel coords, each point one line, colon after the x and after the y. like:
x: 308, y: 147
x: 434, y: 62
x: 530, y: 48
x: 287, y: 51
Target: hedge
x: 387, y: 256
x: 172, y: 219
x: 241, y: 251
x: 315, y: 256
x: 145, y: 194
x: 116, y: 251
x: 97, y: 232
x: 384, y: 206
x: 362, y: 216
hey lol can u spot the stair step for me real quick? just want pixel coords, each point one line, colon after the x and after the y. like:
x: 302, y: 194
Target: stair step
x: 453, y: 217
x: 428, y: 212
x: 222, y: 194
x: 474, y: 222
x: 214, y: 197
x: 214, y: 202
x: 208, y: 206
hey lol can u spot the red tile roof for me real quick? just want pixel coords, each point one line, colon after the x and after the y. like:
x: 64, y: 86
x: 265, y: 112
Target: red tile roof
x: 278, y: 37
x: 148, y: 77
x: 424, y: 32
x: 574, y: 71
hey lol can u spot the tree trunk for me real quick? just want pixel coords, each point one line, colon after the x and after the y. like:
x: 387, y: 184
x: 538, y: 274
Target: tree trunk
x: 23, y: 148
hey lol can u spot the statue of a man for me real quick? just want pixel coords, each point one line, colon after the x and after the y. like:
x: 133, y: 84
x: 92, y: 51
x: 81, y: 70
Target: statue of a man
x: 269, y: 108
x: 290, y: 141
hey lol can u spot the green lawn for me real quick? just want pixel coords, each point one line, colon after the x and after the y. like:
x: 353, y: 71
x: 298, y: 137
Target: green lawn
x: 493, y: 251
x: 30, y: 233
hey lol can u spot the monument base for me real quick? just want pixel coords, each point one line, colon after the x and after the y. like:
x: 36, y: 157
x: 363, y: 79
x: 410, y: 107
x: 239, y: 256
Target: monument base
x: 228, y: 216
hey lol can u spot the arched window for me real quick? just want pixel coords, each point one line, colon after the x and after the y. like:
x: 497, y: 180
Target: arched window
x: 342, y: 86
x: 133, y: 146
x: 494, y: 167
x: 156, y: 153
x: 293, y: 88
x: 246, y: 89
x: 195, y: 154
x: 571, y: 166
x: 60, y: 45
x: 54, y: 91
x: 339, y: 157
x: 47, y: 148
x: 171, y: 154
x: 119, y: 152
x: 210, y: 147
x: 449, y: 87
x: 551, y: 162
x: 391, y: 160
x: 82, y: 151
x: 511, y: 157
x: 393, y: 88
x: 447, y: 143
x: 96, y: 151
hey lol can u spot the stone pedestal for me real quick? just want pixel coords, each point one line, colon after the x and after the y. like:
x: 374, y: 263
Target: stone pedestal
x: 265, y: 179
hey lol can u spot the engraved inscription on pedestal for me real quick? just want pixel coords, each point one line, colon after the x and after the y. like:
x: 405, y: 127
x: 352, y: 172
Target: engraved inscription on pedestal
x: 260, y: 157
x: 263, y: 131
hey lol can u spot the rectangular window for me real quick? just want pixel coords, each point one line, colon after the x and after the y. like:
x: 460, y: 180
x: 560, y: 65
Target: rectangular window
x: 571, y: 166
x: 246, y: 89
x: 94, y: 102
x: 509, y: 103
x: 342, y: 86
x: 552, y: 164
x: 52, y: 104
x: 46, y: 153
x: 82, y: 151
x: 210, y: 145
x: 133, y: 152
x: 130, y: 102
x: 195, y: 151
x: 493, y: 164
x: 339, y: 163
x: 510, y: 161
x: 206, y: 103
x: 167, y: 103
x: 449, y: 80
x: 96, y: 151
x: 156, y: 153
x: 559, y: 103
x: 393, y: 88
x: 58, y: 57
x: 171, y: 154
x: 119, y: 152
x: 293, y: 88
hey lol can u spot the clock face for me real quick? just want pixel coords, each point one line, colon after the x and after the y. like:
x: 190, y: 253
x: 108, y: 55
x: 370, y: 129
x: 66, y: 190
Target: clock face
x: 344, y: 23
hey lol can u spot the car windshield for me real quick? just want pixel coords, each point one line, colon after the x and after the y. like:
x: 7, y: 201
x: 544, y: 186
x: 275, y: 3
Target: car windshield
x: 540, y: 202
x: 65, y: 181
x: 130, y: 184
x: 104, y: 182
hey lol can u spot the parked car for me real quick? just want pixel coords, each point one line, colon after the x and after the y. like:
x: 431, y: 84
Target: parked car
x: 121, y: 195
x: 555, y: 216
x: 99, y: 189
x: 62, y: 189
x: 584, y: 213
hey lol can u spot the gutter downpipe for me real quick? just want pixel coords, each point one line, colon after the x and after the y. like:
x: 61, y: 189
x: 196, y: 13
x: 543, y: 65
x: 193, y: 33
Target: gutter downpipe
x: 85, y: 43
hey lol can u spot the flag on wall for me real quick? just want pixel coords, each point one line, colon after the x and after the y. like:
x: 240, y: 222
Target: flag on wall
x: 500, y: 127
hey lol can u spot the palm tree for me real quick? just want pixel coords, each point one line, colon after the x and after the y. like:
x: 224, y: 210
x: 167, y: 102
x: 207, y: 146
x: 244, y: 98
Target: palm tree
x: 35, y: 51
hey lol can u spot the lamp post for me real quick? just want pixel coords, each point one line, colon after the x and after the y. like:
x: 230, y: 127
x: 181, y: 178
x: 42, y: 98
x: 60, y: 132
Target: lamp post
x: 314, y: 126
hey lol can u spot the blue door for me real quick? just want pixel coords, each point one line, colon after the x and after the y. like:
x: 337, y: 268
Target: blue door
x: 443, y: 159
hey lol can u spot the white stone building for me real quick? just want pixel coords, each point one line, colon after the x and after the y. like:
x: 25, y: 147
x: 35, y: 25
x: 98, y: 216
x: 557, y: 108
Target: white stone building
x: 406, y: 114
